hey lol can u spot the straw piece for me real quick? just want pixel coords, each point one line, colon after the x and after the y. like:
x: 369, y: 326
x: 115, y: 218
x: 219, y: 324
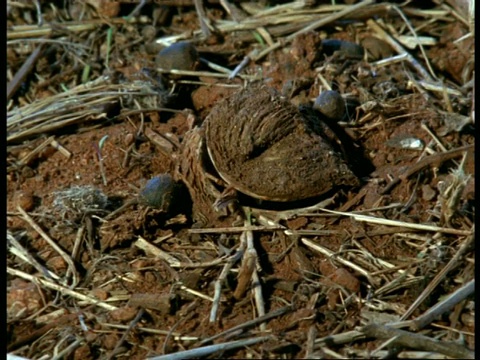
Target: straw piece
x: 53, y: 244
x: 62, y: 289
x: 452, y: 264
x: 208, y: 350
x: 444, y: 306
x: 387, y: 222
x: 20, y: 32
x: 372, y: 24
x: 436, y: 159
x: 330, y: 254
x: 331, y: 18
x: 406, y: 339
x: 143, y: 244
x: 18, y: 250
x: 221, y: 278
x: 22, y: 73
x: 234, y: 229
x: 248, y: 324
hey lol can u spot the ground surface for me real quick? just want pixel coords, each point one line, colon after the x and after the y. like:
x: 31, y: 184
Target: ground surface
x: 149, y: 275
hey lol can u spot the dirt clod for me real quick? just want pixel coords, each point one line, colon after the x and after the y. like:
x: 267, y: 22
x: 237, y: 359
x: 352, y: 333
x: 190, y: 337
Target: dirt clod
x: 23, y: 299
x: 25, y: 200
x: 263, y: 146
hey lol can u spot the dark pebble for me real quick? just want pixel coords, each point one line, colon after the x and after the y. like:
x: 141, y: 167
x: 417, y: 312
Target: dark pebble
x: 331, y: 104
x: 346, y: 48
x: 179, y: 56
x: 158, y: 192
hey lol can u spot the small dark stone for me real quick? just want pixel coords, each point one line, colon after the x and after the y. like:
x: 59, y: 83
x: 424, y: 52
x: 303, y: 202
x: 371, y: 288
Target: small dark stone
x: 179, y: 56
x: 331, y: 104
x: 158, y: 193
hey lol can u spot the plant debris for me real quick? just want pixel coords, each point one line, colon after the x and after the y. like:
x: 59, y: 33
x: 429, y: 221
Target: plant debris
x: 235, y: 179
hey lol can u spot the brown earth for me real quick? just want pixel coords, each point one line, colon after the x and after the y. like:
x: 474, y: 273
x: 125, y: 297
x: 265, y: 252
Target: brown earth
x: 150, y: 274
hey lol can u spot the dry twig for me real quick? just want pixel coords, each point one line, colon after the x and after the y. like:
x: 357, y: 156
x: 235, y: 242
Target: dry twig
x: 453, y: 263
x: 71, y: 266
x: 62, y: 289
x: 22, y: 73
x: 406, y: 339
x: 211, y: 349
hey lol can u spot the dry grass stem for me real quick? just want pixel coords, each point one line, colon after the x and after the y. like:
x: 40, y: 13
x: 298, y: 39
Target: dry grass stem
x: 439, y: 88
x: 453, y: 263
x: 280, y: 9
x: 50, y: 317
x: 62, y: 289
x: 221, y: 278
x: 69, y: 349
x: 312, y: 334
x: 193, y: 82
x: 452, y: 329
x: 248, y: 324
x: 206, y: 74
x: 217, y: 67
x: 196, y: 293
x: 417, y: 40
x: 288, y: 19
x: 176, y: 336
x: 383, y: 354
x: 211, y: 349
x: 22, y: 73
x: 312, y: 232
x: 390, y: 61
x: 365, y: 273
x: 29, y: 31
x: 380, y: 262
x: 78, y: 243
x: 433, y: 160
x: 129, y: 329
x: 71, y: 266
x: 443, y: 306
x: 330, y: 354
x: 256, y: 284
x: 272, y: 217
x: 405, y: 339
x: 339, y: 339
x: 434, y: 137
x: 387, y: 222
x: 333, y: 256
x: 234, y: 229
x: 402, y: 281
x: 249, y: 262
x: 399, y: 49
x: 85, y: 102
x: 143, y: 244
x: 331, y: 18
x: 54, y: 143
x: 18, y: 250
